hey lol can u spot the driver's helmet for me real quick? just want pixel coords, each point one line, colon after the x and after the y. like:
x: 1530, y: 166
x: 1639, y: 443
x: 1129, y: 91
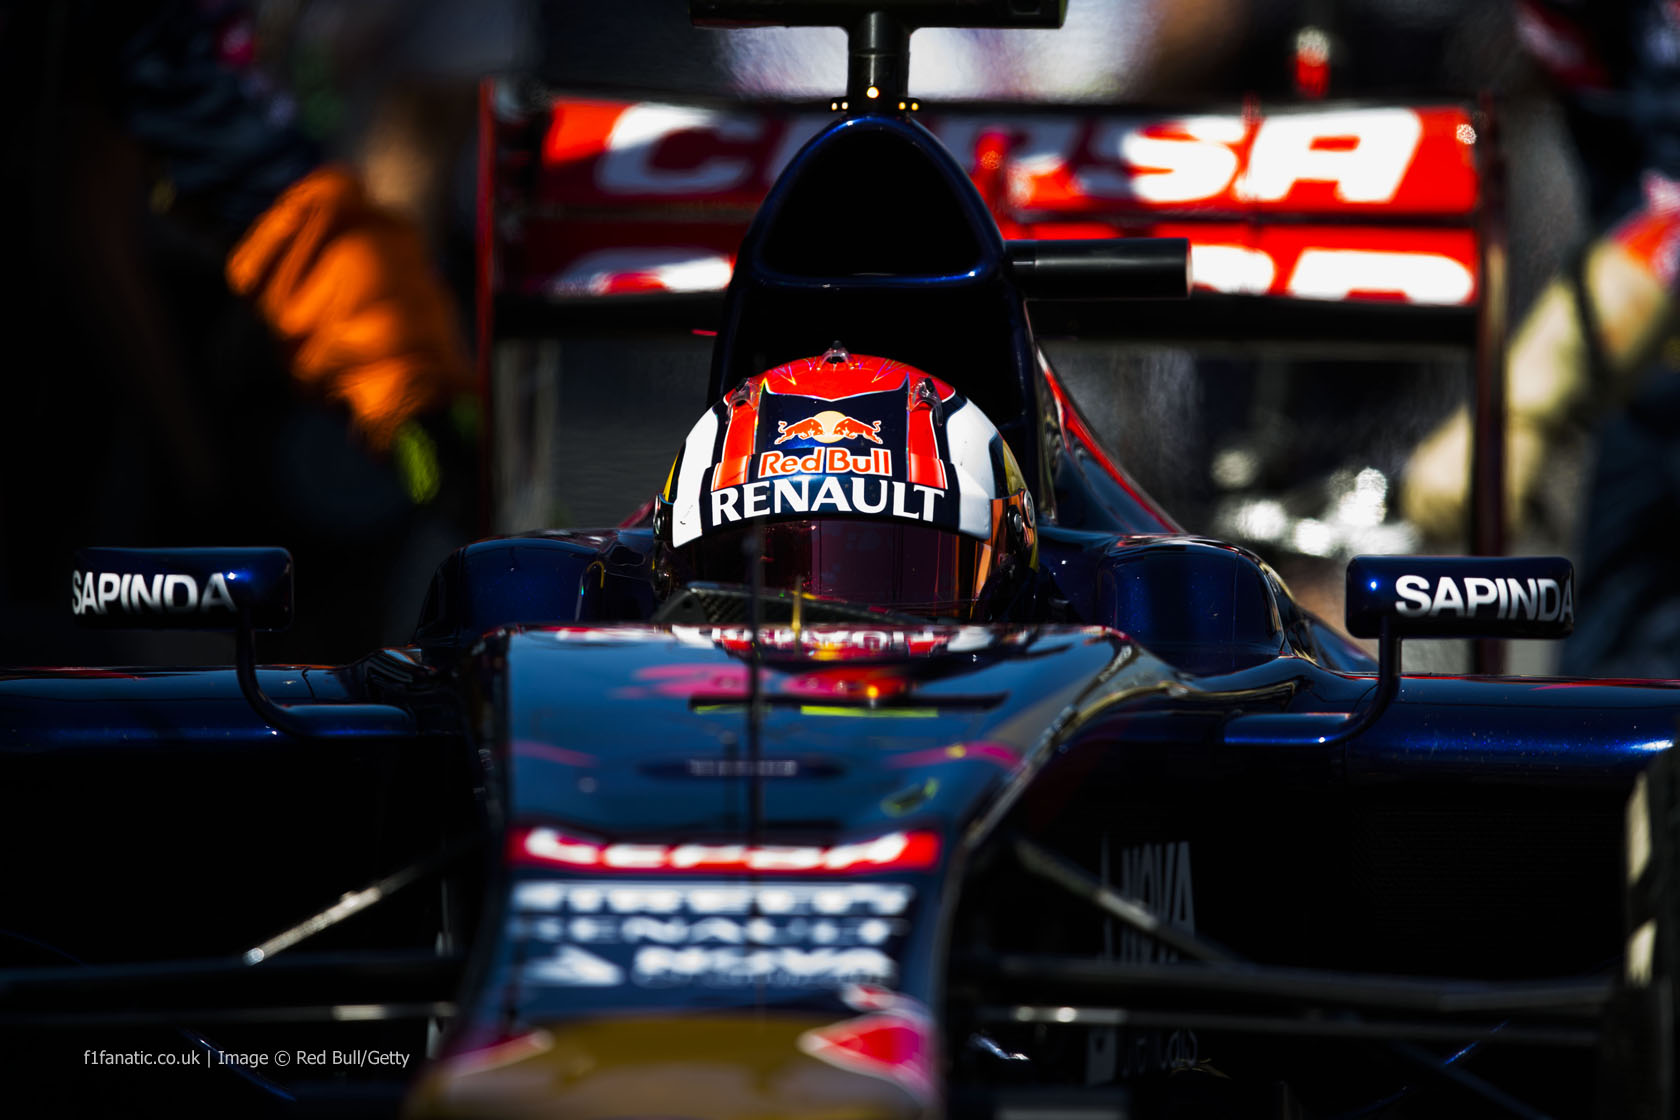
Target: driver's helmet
x: 873, y: 483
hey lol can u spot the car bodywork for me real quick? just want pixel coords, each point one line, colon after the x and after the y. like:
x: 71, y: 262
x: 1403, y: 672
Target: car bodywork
x: 1169, y: 846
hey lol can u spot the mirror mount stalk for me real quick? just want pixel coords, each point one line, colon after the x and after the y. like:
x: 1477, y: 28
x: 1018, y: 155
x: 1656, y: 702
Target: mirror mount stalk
x: 245, y: 669
x: 1388, y: 686
x: 239, y: 589
x: 1391, y: 598
x: 312, y: 720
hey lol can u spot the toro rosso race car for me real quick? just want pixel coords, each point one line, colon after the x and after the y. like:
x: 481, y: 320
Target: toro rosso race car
x: 900, y: 758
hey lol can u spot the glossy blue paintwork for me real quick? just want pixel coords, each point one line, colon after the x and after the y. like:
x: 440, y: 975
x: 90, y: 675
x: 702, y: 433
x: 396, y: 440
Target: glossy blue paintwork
x: 1420, y: 741
x: 124, y: 710
x: 541, y: 578
x: 1205, y: 607
x: 629, y: 701
x: 884, y: 729
x: 1183, y: 682
x: 1090, y: 499
x: 1530, y: 731
x: 128, y: 709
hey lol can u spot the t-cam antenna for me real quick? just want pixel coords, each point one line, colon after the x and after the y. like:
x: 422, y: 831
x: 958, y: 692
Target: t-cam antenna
x: 878, y: 33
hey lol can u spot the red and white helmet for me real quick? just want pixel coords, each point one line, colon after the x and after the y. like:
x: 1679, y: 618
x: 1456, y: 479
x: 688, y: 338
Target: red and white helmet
x: 874, y: 483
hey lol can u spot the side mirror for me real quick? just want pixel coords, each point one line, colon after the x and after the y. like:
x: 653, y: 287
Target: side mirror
x: 182, y: 588
x: 239, y: 589
x: 1395, y: 597
x: 1460, y: 596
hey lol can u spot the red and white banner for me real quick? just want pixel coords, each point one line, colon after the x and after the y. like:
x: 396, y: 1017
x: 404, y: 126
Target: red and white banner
x: 634, y: 197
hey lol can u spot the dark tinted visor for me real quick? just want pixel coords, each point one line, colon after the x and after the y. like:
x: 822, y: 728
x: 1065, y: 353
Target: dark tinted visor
x: 892, y: 564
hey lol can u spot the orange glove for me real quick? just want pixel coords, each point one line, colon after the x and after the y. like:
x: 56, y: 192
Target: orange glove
x: 347, y: 288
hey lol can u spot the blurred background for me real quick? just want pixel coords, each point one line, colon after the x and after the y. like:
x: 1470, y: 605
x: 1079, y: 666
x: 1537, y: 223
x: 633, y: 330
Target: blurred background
x: 243, y: 288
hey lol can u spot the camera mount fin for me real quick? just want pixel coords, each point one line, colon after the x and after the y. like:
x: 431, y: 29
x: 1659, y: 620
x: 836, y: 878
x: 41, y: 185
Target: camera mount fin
x: 878, y: 32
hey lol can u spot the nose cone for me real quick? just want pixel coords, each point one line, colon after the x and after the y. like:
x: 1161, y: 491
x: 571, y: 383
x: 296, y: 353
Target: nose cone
x: 712, y: 1067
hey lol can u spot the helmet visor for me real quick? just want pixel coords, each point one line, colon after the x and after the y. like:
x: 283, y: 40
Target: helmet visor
x: 896, y: 565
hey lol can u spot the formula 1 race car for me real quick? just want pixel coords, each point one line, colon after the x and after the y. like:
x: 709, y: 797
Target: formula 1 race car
x: 899, y: 758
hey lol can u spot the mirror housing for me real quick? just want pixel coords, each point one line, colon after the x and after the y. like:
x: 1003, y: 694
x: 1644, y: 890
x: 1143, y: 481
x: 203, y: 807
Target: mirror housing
x: 182, y: 588
x: 1461, y: 596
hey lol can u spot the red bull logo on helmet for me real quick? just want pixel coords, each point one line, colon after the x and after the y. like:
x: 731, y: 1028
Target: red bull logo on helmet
x: 828, y: 426
x: 831, y: 460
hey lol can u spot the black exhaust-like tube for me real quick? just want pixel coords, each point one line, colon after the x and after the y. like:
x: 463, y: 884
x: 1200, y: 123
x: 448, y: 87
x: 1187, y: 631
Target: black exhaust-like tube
x: 1113, y: 268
